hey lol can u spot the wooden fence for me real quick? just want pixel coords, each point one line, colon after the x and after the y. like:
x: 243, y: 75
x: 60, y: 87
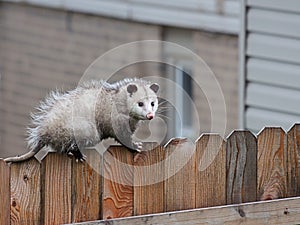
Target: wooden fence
x: 242, y: 168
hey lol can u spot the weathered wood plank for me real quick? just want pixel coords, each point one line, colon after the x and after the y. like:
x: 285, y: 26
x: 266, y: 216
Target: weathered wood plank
x: 275, y: 212
x: 241, y: 167
x: 210, y: 171
x: 272, y: 164
x: 180, y: 172
x: 86, y: 188
x: 56, y: 189
x: 4, y: 193
x: 294, y: 161
x: 25, y: 193
x: 118, y: 183
x: 149, y: 182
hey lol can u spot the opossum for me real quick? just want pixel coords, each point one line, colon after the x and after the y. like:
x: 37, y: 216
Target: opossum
x: 95, y: 110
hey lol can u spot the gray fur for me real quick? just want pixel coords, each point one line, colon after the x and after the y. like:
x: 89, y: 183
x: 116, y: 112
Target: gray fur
x: 94, y: 111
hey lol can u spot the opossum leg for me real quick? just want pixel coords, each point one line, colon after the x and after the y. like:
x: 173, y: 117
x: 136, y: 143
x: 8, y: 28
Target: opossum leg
x: 124, y: 133
x: 75, y: 152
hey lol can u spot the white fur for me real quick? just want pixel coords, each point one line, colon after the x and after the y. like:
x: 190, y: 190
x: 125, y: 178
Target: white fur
x: 93, y: 111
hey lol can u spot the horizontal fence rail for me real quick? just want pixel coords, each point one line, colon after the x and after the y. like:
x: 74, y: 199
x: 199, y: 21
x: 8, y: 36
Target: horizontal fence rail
x: 275, y: 212
x: 182, y: 175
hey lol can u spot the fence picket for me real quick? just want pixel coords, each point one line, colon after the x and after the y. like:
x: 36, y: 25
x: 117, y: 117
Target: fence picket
x: 149, y: 182
x: 241, y: 150
x: 293, y: 161
x: 182, y: 175
x: 180, y: 183
x: 86, y: 188
x: 4, y: 193
x: 272, y: 164
x: 118, y: 183
x: 25, y: 193
x: 210, y: 171
x: 56, y: 190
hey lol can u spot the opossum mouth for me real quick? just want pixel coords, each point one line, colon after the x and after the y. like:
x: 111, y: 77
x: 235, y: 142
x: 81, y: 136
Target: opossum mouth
x: 149, y: 116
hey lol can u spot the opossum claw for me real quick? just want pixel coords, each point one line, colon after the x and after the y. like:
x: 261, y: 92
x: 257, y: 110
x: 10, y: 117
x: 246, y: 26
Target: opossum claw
x: 76, y: 153
x: 138, y: 146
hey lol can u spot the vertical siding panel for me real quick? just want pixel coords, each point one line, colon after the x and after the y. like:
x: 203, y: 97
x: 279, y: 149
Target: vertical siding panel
x: 180, y: 171
x: 272, y: 164
x: 210, y: 171
x: 241, y: 166
x: 272, y: 39
x: 149, y: 182
x: 86, y: 188
x: 4, y: 193
x: 56, y: 189
x: 118, y: 183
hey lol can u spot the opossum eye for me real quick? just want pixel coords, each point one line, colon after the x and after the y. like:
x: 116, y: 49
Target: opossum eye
x: 152, y: 104
x: 141, y: 104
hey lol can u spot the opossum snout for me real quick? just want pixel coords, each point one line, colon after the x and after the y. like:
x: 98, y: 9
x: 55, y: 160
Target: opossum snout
x: 150, y: 116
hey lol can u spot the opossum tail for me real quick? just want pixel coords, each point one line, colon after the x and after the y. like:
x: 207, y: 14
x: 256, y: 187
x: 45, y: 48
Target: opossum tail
x: 27, y: 155
x: 35, y: 144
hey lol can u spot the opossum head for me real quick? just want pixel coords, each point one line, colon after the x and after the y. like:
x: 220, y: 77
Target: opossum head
x: 142, y: 100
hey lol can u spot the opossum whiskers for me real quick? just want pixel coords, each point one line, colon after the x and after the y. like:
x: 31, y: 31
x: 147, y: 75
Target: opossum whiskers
x: 163, y: 116
x: 163, y: 108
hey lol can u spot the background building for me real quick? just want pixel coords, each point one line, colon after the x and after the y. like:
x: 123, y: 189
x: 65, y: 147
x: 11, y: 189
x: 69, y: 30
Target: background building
x: 49, y: 44
x: 270, y: 64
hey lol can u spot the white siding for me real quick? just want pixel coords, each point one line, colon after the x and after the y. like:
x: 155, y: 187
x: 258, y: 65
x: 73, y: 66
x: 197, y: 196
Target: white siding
x: 212, y: 15
x: 271, y: 43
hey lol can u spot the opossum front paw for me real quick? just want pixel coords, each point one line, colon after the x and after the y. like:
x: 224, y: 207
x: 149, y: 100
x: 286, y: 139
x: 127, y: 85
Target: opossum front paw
x: 138, y: 146
x: 77, y: 155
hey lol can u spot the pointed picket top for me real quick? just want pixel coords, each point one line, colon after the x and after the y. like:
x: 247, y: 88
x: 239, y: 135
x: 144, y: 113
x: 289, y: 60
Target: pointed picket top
x: 241, y: 150
x: 293, y: 152
x: 176, y: 141
x: 275, y: 129
x: 208, y: 147
x: 181, y: 150
x: 272, y: 163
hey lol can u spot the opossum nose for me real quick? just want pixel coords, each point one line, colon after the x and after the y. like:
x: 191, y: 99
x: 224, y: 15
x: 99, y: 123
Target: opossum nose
x: 150, y: 116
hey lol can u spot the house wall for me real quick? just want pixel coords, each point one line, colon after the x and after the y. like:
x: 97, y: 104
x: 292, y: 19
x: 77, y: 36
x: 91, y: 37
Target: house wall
x: 213, y: 15
x: 270, y: 62
x: 42, y: 49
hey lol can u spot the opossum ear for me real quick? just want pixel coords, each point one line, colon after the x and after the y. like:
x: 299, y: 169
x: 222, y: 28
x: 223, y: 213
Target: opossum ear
x: 154, y: 87
x: 131, y: 88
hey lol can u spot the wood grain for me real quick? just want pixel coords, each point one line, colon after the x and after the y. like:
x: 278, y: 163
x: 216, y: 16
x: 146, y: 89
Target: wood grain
x: 180, y: 172
x: 118, y: 183
x: 293, y: 152
x: 86, y: 188
x: 210, y: 171
x: 4, y: 193
x: 25, y: 193
x: 56, y: 189
x: 272, y: 164
x: 275, y: 212
x: 241, y: 167
x: 149, y: 182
